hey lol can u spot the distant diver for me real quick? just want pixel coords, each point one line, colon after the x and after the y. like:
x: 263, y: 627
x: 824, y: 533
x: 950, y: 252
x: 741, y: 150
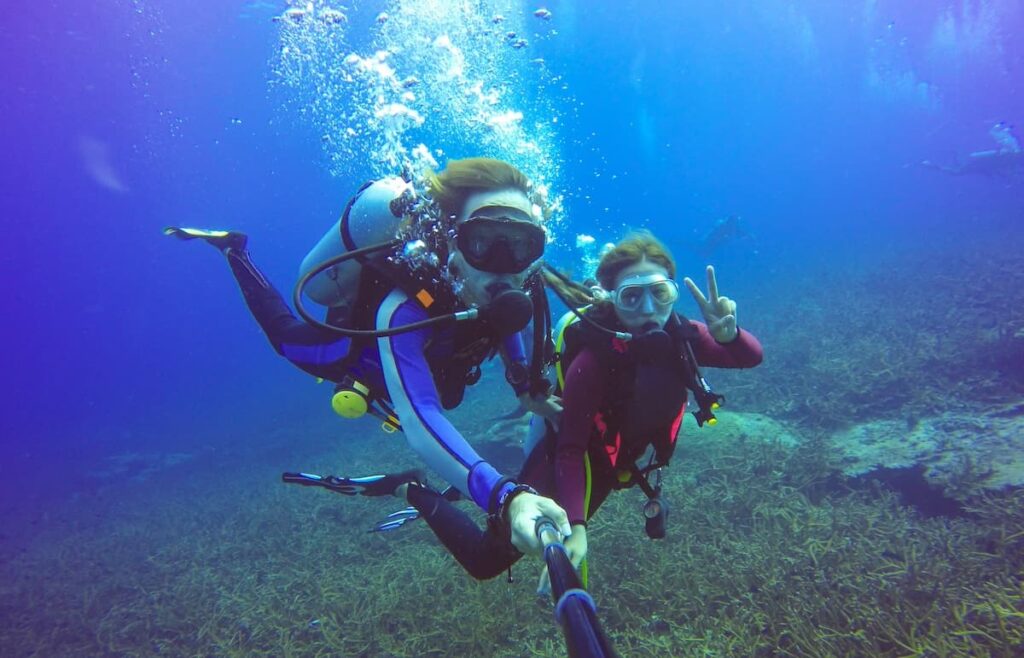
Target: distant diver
x: 1005, y: 160
x: 725, y: 231
x: 421, y: 286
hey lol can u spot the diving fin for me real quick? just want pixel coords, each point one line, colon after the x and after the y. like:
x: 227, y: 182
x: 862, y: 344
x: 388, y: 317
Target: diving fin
x: 220, y: 239
x: 371, y: 485
x: 396, y: 520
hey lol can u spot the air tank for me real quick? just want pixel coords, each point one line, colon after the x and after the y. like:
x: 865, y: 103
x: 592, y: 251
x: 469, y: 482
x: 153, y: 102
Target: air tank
x: 371, y: 217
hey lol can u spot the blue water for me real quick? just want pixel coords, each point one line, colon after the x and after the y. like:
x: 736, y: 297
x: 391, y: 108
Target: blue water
x: 808, y: 119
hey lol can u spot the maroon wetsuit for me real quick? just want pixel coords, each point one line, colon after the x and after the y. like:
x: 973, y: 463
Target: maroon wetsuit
x: 560, y: 472
x: 586, y: 393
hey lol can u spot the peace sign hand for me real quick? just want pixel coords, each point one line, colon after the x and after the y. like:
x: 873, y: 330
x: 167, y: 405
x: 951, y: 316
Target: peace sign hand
x: 719, y: 312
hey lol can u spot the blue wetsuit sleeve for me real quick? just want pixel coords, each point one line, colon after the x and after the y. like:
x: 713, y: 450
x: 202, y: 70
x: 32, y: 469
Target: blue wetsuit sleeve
x: 414, y: 397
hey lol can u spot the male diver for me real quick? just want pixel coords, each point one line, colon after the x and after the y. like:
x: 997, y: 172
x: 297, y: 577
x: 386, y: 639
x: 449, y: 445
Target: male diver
x: 411, y: 319
x: 1006, y: 159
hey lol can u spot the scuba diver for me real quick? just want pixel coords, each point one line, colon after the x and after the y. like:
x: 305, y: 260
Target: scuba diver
x: 725, y: 232
x: 626, y: 365
x: 1005, y: 159
x: 411, y: 318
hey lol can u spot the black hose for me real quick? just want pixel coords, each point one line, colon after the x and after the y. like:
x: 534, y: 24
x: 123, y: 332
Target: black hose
x: 541, y: 331
x: 345, y: 331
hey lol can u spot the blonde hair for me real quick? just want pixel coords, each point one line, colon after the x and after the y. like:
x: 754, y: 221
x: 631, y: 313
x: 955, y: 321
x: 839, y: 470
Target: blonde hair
x: 463, y: 178
x: 634, y: 248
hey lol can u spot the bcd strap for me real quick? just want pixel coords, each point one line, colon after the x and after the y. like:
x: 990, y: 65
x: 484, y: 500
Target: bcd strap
x: 378, y: 277
x: 640, y: 476
x: 685, y: 332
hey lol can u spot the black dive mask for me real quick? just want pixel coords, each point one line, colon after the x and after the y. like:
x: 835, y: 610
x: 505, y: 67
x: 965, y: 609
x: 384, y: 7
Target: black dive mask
x: 500, y: 244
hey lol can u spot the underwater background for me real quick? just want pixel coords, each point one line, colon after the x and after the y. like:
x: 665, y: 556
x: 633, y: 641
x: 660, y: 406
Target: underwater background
x: 862, y: 494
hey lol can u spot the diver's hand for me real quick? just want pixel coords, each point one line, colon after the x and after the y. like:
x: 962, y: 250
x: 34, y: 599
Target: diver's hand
x: 719, y: 312
x: 576, y: 546
x: 548, y: 407
x: 522, y: 515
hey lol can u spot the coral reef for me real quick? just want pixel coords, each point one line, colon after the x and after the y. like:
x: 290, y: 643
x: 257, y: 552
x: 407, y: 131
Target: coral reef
x: 961, y: 454
x: 944, y: 337
x: 930, y: 382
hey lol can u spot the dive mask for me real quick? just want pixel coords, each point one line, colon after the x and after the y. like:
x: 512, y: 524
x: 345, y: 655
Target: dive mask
x: 630, y: 296
x: 500, y: 240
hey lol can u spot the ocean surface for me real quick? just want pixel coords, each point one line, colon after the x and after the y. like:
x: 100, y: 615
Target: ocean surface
x: 823, y: 156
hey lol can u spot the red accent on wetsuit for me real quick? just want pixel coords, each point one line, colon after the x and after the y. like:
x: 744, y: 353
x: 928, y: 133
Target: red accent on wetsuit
x: 676, y: 424
x: 613, y: 450
x: 586, y: 385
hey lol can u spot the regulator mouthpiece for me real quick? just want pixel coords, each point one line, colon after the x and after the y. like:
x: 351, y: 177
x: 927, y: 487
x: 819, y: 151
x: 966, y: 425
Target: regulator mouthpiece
x: 508, y: 312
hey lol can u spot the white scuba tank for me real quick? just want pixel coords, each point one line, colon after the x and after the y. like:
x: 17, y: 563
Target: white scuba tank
x: 372, y: 216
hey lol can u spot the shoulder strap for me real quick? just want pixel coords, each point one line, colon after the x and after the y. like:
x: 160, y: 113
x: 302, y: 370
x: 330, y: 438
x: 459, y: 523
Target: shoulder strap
x: 572, y: 335
x: 378, y: 277
x: 566, y: 344
x: 684, y: 333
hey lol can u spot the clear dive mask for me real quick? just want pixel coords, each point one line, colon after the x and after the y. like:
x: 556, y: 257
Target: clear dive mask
x: 630, y: 295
